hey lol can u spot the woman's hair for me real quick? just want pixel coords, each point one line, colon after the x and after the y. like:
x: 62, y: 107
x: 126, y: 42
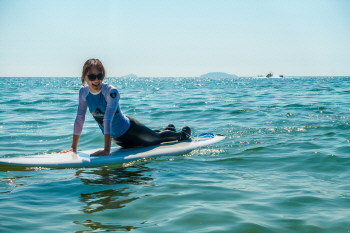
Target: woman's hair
x: 87, y: 67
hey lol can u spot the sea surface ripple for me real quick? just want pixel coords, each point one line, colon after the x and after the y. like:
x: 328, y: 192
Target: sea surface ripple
x: 284, y: 166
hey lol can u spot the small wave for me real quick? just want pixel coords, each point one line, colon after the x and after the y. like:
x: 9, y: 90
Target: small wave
x: 241, y: 111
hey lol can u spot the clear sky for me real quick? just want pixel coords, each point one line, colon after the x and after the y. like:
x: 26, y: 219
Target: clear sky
x: 179, y: 38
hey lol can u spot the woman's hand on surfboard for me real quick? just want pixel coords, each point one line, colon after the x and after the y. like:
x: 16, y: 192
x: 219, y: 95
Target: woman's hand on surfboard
x: 100, y: 153
x: 68, y: 150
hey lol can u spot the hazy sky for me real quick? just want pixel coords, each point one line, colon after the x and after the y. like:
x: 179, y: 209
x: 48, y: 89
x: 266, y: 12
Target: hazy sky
x: 175, y: 38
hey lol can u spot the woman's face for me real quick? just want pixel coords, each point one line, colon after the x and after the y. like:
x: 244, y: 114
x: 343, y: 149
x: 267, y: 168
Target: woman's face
x: 95, y: 85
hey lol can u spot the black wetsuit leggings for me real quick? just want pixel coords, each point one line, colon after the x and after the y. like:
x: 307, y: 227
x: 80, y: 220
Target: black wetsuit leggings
x: 139, y: 135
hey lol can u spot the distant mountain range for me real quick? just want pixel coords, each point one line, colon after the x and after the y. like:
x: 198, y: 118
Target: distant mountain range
x: 130, y: 76
x: 218, y: 75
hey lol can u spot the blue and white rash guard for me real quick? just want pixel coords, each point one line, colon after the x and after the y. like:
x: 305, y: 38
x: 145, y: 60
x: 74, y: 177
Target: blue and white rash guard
x: 104, y: 107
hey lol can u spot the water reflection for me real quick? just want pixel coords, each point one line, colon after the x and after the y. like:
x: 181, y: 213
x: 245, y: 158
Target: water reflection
x: 107, y: 199
x: 119, y: 184
x: 105, y: 227
x: 14, y: 180
x: 112, y: 198
x: 111, y: 176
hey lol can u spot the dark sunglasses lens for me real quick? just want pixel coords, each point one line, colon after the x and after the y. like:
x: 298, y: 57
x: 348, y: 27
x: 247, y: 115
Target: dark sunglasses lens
x: 99, y: 76
x: 92, y: 77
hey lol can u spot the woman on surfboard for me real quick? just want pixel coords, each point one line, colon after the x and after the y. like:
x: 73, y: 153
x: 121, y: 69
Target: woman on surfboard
x: 103, y: 102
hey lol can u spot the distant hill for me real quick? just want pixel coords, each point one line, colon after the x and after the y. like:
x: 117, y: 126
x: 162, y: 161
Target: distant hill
x: 218, y: 75
x: 130, y: 76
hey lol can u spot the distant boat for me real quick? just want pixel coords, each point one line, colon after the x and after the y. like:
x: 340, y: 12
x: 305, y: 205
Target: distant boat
x: 269, y: 75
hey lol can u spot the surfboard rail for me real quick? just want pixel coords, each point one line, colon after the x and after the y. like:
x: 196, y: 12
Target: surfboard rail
x: 117, y: 155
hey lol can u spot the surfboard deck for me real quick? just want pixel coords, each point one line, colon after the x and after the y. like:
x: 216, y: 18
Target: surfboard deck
x: 117, y: 155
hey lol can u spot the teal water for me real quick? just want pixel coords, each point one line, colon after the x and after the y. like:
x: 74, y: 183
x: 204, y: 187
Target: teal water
x: 284, y: 166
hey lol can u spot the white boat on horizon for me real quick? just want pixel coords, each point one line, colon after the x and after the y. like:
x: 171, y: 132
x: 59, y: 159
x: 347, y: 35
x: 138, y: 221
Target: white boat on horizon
x: 270, y: 75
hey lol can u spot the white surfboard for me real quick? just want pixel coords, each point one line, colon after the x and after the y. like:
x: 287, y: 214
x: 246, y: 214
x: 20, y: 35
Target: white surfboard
x: 117, y: 155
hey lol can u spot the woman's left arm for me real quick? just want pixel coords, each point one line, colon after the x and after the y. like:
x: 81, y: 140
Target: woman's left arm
x: 107, y: 148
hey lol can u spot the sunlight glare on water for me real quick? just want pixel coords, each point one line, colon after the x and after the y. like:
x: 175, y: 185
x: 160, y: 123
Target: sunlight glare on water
x: 283, y: 167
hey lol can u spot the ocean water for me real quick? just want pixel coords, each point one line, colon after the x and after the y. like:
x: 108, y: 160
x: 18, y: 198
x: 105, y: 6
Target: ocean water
x: 284, y: 166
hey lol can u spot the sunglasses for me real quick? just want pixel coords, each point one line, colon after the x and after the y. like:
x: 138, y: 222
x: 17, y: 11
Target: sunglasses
x: 92, y: 77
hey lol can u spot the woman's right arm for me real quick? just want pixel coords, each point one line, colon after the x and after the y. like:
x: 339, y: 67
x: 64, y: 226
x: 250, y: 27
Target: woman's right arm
x: 74, y: 144
x: 79, y: 122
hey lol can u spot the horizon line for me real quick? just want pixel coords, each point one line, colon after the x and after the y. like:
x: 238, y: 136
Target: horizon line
x: 248, y: 76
